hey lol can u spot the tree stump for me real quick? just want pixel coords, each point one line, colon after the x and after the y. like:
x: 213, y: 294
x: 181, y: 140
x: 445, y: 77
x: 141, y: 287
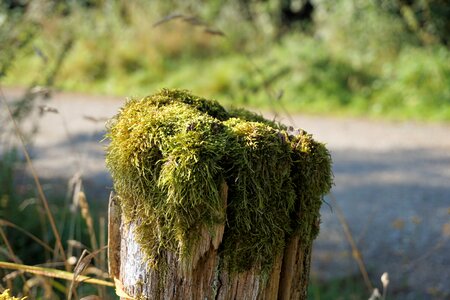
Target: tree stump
x: 211, y: 204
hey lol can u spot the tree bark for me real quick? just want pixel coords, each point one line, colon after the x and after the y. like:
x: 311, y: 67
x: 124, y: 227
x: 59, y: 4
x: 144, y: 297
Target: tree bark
x: 204, y: 277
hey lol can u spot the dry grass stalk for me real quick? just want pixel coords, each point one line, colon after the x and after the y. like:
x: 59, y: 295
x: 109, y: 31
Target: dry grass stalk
x: 39, y: 281
x: 81, y: 266
x: 11, y: 253
x: 76, y: 244
x: 54, y: 273
x: 85, y: 213
x: 355, y: 251
x: 102, y: 225
x: 30, y: 235
x: 42, y: 196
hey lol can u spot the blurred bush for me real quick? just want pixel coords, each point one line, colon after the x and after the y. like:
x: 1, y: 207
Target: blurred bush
x: 345, y: 56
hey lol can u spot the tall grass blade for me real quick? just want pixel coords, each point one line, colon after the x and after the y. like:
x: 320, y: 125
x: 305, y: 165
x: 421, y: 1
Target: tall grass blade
x: 11, y: 253
x: 54, y: 273
x: 102, y: 226
x: 355, y: 251
x: 167, y: 19
x: 85, y: 213
x: 83, y: 263
x: 37, y: 181
x: 213, y: 31
x: 30, y: 235
x: 39, y: 281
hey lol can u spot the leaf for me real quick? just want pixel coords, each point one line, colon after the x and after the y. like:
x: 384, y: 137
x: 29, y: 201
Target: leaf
x: 120, y: 291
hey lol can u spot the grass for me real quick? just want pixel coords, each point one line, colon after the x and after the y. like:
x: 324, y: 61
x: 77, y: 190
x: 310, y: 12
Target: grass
x: 350, y: 287
x: 42, y: 219
x: 42, y: 196
x: 347, y: 288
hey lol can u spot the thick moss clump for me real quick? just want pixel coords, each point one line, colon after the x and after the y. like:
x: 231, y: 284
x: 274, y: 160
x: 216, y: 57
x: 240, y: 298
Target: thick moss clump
x: 169, y: 155
x: 261, y: 195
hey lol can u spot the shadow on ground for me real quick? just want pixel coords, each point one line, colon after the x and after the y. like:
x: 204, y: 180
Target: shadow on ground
x: 397, y: 206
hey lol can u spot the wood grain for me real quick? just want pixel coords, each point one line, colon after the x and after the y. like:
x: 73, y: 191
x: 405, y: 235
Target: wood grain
x: 114, y: 223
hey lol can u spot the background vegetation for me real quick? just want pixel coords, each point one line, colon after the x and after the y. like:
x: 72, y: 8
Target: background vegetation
x: 385, y: 58
x: 377, y: 58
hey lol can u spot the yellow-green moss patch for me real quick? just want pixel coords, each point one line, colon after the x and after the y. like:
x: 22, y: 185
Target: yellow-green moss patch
x: 170, y: 153
x: 6, y: 296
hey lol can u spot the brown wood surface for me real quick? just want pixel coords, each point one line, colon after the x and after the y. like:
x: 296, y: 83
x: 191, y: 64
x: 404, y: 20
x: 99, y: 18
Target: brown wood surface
x: 201, y: 278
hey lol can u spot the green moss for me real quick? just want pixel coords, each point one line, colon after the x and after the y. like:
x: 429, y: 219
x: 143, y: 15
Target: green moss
x: 261, y: 195
x: 246, y: 115
x: 312, y: 177
x: 170, y: 153
x: 6, y: 296
x: 171, y: 96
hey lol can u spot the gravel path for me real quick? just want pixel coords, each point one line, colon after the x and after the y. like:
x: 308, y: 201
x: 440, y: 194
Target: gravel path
x: 392, y: 182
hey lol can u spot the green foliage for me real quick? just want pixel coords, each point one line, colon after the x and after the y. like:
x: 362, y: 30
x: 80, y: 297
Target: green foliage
x: 428, y: 20
x: 415, y: 86
x: 12, y: 208
x: 351, y: 60
x: 171, y: 152
x: 8, y: 159
x: 15, y: 34
x: 346, y: 288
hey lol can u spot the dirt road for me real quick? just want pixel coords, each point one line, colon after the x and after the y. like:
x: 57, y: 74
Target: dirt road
x: 392, y: 182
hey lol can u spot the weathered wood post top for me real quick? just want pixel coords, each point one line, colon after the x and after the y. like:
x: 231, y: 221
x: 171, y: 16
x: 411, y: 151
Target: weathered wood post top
x: 211, y: 203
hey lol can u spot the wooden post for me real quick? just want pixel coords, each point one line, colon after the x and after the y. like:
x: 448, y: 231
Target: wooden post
x: 197, y: 185
x: 202, y: 278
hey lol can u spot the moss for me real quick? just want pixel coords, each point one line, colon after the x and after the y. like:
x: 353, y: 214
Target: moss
x: 261, y: 195
x: 246, y: 115
x: 171, y: 96
x: 169, y: 154
x: 6, y: 296
x: 312, y: 177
